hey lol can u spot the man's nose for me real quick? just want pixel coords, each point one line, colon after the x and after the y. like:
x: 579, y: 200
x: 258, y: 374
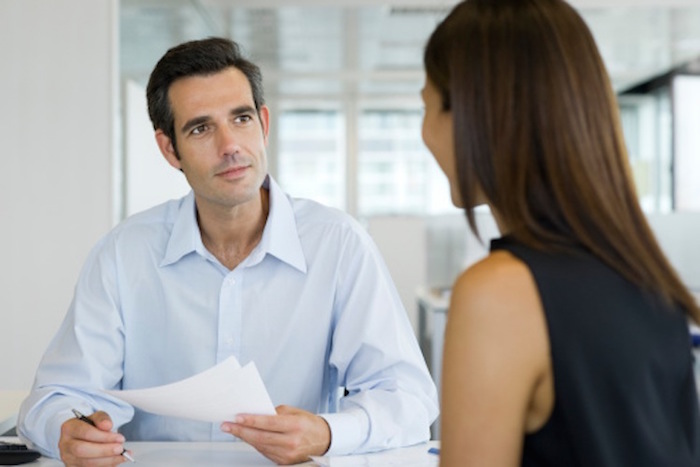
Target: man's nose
x: 228, y: 141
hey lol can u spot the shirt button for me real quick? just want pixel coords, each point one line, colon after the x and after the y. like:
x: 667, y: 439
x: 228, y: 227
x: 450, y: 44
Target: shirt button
x: 229, y: 341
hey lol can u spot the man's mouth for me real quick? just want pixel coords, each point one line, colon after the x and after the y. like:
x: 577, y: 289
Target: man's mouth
x: 233, y: 172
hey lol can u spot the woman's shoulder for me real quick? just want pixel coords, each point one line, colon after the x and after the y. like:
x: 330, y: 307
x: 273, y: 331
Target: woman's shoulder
x: 499, y: 276
x: 496, y: 320
x: 498, y: 290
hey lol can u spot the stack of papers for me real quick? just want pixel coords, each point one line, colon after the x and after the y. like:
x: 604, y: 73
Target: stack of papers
x: 214, y: 395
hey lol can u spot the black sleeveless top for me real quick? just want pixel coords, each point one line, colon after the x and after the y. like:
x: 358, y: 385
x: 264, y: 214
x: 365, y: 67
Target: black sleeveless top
x: 623, y: 369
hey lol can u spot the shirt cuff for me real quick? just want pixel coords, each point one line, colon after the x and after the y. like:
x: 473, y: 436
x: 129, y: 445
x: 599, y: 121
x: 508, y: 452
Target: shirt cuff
x: 52, y: 434
x: 349, y: 429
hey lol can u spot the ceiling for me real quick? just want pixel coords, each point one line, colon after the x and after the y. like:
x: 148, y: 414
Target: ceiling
x: 313, y: 49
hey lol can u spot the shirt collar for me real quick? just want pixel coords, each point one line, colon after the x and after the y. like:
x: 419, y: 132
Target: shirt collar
x: 280, y: 237
x: 184, y: 237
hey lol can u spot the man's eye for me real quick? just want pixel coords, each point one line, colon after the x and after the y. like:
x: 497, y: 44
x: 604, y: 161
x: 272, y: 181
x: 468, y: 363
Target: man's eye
x: 198, y: 130
x: 243, y: 118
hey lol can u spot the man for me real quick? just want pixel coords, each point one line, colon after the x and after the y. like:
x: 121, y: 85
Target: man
x: 234, y: 268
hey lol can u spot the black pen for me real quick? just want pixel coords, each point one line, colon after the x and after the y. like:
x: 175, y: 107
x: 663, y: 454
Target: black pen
x: 82, y: 417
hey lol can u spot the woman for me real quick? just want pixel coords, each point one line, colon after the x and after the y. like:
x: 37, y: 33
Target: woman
x: 568, y: 345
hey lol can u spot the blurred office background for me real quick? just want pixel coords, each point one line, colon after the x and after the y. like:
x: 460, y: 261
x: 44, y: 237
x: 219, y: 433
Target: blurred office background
x: 342, y: 79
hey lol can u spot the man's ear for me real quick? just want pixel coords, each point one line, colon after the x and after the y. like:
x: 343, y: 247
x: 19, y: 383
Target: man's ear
x: 166, y: 147
x: 264, y: 114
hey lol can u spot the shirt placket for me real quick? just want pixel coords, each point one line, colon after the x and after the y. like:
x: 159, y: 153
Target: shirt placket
x: 229, y: 317
x: 229, y: 332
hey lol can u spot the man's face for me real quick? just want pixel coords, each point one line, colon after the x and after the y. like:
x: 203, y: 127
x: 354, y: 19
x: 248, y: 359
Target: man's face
x: 220, y: 137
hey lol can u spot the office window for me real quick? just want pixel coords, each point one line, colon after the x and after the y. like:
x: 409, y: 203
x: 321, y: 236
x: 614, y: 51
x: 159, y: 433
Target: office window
x: 646, y: 122
x: 686, y: 142
x: 311, y: 156
x: 396, y: 173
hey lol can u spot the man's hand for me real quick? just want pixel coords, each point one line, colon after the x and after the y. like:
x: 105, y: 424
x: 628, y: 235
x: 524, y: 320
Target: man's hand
x: 82, y: 444
x: 289, y: 437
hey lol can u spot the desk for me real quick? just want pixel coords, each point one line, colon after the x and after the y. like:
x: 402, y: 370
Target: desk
x: 432, y: 317
x: 9, y: 408
x: 171, y: 454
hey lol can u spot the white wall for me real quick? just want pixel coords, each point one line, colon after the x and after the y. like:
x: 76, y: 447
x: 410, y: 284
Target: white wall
x: 56, y: 127
x: 678, y: 234
x: 146, y: 168
x: 402, y: 241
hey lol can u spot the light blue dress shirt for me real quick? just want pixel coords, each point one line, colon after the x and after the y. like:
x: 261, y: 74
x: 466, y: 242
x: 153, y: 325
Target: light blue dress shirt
x: 313, y: 306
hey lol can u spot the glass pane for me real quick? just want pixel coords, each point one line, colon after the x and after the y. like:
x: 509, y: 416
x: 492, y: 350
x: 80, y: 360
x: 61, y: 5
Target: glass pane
x: 643, y: 117
x: 397, y: 174
x: 686, y: 120
x: 312, y: 155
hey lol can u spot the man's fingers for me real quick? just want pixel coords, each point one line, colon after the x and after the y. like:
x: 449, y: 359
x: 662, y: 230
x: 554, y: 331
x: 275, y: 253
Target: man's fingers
x: 102, y: 420
x: 82, y: 449
x: 258, y: 437
x: 276, y: 423
x: 78, y: 429
x: 82, y: 444
x: 290, y: 436
x: 284, y: 421
x: 280, y: 448
x: 79, y: 452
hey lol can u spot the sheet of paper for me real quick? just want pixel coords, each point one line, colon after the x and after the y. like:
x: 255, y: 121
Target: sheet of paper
x: 214, y: 395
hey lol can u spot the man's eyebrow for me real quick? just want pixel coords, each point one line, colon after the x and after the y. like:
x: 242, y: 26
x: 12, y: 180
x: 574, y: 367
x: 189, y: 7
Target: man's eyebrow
x: 242, y: 109
x: 193, y: 123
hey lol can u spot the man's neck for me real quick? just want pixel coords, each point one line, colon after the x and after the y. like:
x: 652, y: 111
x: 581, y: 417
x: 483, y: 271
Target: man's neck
x: 231, y: 234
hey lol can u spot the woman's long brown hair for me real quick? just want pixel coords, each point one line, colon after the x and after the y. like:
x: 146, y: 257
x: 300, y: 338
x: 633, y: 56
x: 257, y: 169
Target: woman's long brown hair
x: 537, y: 130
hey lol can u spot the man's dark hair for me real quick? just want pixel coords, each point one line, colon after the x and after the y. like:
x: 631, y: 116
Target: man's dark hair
x: 195, y: 58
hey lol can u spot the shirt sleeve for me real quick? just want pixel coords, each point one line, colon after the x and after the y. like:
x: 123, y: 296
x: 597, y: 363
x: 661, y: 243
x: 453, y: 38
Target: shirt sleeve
x: 391, y: 398
x: 84, y: 357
